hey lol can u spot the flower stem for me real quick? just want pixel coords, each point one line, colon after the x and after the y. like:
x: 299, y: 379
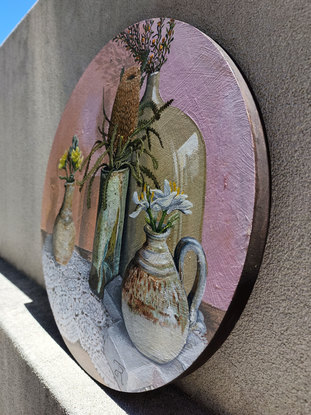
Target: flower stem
x: 164, y: 213
x: 67, y: 174
x: 152, y: 222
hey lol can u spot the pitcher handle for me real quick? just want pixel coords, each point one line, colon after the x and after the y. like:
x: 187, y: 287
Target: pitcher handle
x: 195, y: 297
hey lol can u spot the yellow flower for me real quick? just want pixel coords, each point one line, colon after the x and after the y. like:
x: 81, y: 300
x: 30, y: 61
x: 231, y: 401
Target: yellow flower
x: 160, y: 47
x: 76, y: 157
x: 79, y: 163
x: 62, y: 161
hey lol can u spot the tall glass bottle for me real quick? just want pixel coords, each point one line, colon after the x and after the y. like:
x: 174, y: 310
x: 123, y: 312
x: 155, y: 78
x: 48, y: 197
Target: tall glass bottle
x: 183, y: 161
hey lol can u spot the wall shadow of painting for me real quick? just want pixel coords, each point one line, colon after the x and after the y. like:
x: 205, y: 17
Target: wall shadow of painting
x: 148, y: 205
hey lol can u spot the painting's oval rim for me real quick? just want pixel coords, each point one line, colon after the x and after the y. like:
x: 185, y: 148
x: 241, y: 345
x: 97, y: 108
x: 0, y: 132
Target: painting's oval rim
x: 261, y: 212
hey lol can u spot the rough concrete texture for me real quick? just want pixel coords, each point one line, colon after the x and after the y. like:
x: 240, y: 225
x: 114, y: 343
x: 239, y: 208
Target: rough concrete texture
x: 38, y: 376
x: 264, y: 366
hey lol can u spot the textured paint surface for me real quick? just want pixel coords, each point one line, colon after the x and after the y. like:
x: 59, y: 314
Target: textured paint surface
x: 203, y: 86
x: 64, y: 230
x: 182, y: 160
x: 154, y: 302
x: 39, y: 377
x: 108, y: 233
x: 263, y: 368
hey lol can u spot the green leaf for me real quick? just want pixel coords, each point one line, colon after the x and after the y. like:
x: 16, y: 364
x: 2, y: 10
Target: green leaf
x: 165, y: 105
x: 96, y: 146
x: 148, y: 104
x: 153, y: 131
x: 104, y: 112
x: 134, y: 173
x: 75, y: 142
x: 154, y: 160
x: 174, y: 218
x: 94, y: 168
x: 151, y: 176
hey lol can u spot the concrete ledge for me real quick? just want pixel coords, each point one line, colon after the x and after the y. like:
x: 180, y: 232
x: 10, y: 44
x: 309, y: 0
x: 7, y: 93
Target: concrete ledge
x: 37, y: 374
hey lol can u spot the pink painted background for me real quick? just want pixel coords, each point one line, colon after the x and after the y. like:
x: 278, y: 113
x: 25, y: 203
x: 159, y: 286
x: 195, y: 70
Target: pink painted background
x: 203, y: 85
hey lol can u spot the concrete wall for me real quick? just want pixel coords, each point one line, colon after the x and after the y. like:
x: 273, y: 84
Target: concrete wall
x: 264, y: 366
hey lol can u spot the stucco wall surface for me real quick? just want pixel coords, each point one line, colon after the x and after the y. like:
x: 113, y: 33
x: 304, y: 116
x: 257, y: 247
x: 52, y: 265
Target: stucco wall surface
x: 38, y: 376
x: 264, y: 366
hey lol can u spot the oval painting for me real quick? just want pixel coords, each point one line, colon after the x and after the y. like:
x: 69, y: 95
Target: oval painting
x: 155, y: 206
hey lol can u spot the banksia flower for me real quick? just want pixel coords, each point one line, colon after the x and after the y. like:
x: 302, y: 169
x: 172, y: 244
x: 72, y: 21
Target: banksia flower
x: 125, y: 108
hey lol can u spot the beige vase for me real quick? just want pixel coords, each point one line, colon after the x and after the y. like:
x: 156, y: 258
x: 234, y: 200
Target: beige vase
x: 154, y: 302
x: 64, y: 231
x: 182, y: 160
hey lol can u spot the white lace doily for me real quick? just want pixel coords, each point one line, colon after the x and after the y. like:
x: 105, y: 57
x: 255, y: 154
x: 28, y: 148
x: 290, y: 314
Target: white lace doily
x: 99, y: 328
x: 79, y: 314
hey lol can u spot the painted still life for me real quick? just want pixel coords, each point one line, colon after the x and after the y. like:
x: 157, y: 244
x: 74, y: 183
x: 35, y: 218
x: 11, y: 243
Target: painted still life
x: 148, y: 204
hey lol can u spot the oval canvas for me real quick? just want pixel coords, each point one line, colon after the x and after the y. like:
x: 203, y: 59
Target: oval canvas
x: 155, y: 206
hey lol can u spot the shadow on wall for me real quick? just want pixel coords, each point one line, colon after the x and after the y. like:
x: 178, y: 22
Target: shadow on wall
x: 167, y: 400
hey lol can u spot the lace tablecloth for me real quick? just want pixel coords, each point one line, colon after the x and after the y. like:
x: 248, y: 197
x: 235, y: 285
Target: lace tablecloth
x: 98, y: 327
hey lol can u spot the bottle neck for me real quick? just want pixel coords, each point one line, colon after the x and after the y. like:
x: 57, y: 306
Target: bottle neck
x: 156, y: 240
x: 152, y: 92
x: 67, y: 203
x: 154, y: 256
